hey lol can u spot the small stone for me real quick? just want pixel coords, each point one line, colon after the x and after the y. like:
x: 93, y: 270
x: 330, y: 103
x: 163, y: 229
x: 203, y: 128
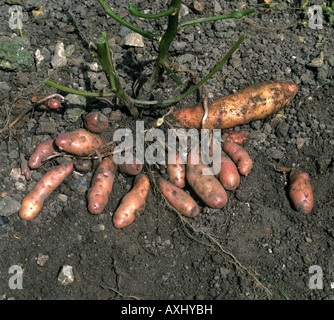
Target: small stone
x: 300, y: 142
x: 69, y: 50
x: 4, y: 87
x: 41, y: 259
x: 66, y: 275
x: 8, y: 206
x: 307, y: 259
x: 217, y: 7
x: 62, y: 197
x: 308, y: 239
x: 134, y: 39
x: 59, y: 59
x: 317, y: 62
x: 184, y: 11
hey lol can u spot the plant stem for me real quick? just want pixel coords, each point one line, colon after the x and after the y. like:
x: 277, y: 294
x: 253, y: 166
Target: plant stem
x: 232, y: 15
x: 133, y: 10
x: 112, y: 14
x: 218, y: 66
x: 162, y: 62
x: 78, y: 92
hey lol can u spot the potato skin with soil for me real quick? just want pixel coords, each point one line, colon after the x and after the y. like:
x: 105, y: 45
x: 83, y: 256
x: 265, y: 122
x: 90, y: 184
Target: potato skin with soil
x: 33, y: 202
x: 255, y: 102
x: 133, y: 202
x: 79, y: 142
x: 101, y: 186
x: 178, y: 199
x: 300, y: 191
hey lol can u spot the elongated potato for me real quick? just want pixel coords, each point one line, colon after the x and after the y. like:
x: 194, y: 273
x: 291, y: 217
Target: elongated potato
x: 33, y: 202
x: 101, y: 186
x: 42, y: 152
x: 207, y: 187
x: 178, y: 199
x: 79, y: 142
x: 255, y: 102
x: 177, y: 172
x: 300, y: 191
x: 228, y: 175
x: 239, y: 156
x: 133, y: 202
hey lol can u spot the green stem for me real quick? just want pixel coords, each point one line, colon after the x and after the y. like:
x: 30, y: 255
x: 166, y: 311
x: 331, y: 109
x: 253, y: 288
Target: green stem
x: 112, y: 14
x: 105, y: 59
x: 232, y: 15
x: 133, y: 10
x: 78, y: 92
x: 218, y: 66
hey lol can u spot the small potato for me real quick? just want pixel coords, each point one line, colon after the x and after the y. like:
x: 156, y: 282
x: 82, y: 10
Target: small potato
x: 84, y: 165
x: 207, y: 187
x: 178, y: 199
x: 240, y: 138
x: 177, y: 172
x: 300, y: 191
x: 100, y: 190
x: 42, y: 152
x: 132, y: 168
x: 133, y: 202
x: 239, y: 156
x: 228, y: 175
x: 79, y: 142
x: 96, y: 122
x: 33, y: 202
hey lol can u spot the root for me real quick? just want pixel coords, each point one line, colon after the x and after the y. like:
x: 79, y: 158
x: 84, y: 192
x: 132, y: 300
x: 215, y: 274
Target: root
x: 215, y: 245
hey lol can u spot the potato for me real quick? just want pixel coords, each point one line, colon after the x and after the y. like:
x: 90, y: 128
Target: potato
x: 207, y: 187
x: 178, y: 199
x: 228, y: 175
x: 42, y: 152
x: 79, y: 142
x: 177, y: 173
x: 96, y: 122
x: 239, y: 156
x: 133, y: 202
x: 255, y: 102
x: 33, y: 202
x: 101, y: 186
x: 240, y: 138
x: 84, y: 165
x: 131, y: 169
x: 300, y: 191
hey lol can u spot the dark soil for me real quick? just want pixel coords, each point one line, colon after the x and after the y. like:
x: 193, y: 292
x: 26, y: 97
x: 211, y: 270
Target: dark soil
x: 246, y: 251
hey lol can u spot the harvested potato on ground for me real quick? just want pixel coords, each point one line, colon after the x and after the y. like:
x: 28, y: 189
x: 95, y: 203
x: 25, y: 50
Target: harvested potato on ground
x: 255, y: 102
x: 300, y: 191
x: 207, y: 187
x: 178, y: 199
x: 228, y: 175
x: 240, y: 138
x: 42, y: 152
x: 133, y: 202
x: 177, y: 172
x: 239, y: 156
x: 33, y: 202
x: 96, y: 122
x: 132, y: 168
x: 79, y: 142
x: 101, y: 186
